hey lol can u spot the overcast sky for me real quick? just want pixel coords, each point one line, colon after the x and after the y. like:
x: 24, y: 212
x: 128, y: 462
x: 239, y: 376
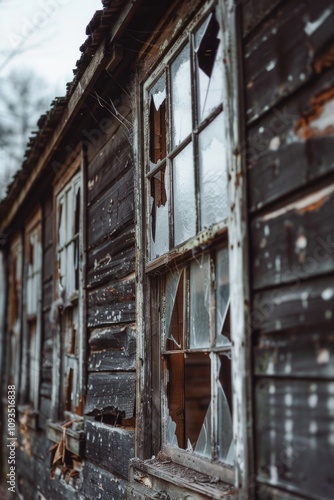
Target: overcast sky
x: 44, y: 35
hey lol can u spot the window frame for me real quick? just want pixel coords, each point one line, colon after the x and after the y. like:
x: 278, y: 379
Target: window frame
x: 148, y: 416
x: 30, y: 393
x: 69, y: 175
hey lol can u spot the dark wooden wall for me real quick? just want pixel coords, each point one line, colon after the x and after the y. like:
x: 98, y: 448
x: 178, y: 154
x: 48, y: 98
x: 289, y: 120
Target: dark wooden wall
x: 288, y: 53
x: 110, y: 404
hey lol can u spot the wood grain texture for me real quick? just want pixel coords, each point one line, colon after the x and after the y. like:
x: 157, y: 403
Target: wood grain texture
x: 112, y: 212
x: 294, y: 432
x: 111, y: 304
x: 113, y: 259
x: 109, y: 446
x: 295, y: 242
x: 112, y: 391
x: 113, y: 349
x: 101, y: 484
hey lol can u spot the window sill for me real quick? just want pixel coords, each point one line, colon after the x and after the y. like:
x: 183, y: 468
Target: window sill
x: 162, y: 473
x: 28, y: 416
x: 74, y: 439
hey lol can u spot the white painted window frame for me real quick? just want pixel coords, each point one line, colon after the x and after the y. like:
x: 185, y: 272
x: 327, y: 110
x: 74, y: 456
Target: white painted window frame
x: 238, y: 258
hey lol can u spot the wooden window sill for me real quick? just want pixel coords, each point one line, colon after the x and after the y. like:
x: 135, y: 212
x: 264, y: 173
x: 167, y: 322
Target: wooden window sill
x: 158, y: 474
x: 74, y: 439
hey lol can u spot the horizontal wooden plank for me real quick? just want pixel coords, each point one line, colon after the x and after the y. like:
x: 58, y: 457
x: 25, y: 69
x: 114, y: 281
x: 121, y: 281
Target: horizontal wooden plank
x: 254, y: 11
x: 113, y: 337
x: 295, y: 434
x: 111, y: 393
x: 112, y: 161
x: 298, y: 355
x: 113, y: 303
x: 294, y: 133
x: 276, y: 63
x: 114, y: 259
x: 113, y: 349
x: 299, y: 306
x: 294, y: 242
x: 275, y: 60
x: 102, y: 484
x: 109, y: 446
x: 112, y: 212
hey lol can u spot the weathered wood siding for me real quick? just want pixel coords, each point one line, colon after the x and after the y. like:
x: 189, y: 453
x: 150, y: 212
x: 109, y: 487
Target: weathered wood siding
x: 289, y: 90
x: 111, y: 317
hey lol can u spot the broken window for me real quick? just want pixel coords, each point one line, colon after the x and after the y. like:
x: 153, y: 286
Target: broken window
x: 15, y: 301
x: 187, y: 203
x: 186, y: 171
x: 209, y: 60
x: 68, y: 228
x: 198, y: 383
x: 32, y: 311
x: 69, y: 373
x: 157, y: 119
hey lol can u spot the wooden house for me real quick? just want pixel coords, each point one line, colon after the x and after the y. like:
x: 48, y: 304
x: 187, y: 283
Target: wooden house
x: 167, y: 261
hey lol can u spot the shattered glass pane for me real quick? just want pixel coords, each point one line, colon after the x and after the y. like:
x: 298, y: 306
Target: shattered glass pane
x: 184, y: 196
x: 213, y: 173
x: 209, y: 62
x: 181, y: 97
x: 203, y: 445
x: 174, y: 310
x: 222, y: 298
x: 159, y: 213
x: 200, y: 307
x: 69, y: 215
x: 225, y: 432
x: 170, y: 431
x: 157, y: 100
x: 197, y: 393
x: 61, y: 223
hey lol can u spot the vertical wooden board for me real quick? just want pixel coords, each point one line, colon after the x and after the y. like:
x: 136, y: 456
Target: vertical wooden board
x: 295, y: 434
x: 102, y: 484
x: 47, y: 294
x: 109, y: 446
x: 299, y: 305
x: 295, y: 241
x: 112, y: 211
x: 299, y: 354
x: 111, y: 392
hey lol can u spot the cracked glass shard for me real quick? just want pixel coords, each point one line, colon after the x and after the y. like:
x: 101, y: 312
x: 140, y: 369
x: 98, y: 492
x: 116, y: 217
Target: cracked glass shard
x: 200, y: 291
x: 222, y: 298
x: 159, y: 213
x: 209, y: 62
x: 181, y: 97
x: 225, y: 431
x: 61, y: 223
x: 184, y: 196
x: 203, y: 445
x: 174, y: 308
x: 170, y: 431
x: 157, y: 100
x: 213, y: 173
